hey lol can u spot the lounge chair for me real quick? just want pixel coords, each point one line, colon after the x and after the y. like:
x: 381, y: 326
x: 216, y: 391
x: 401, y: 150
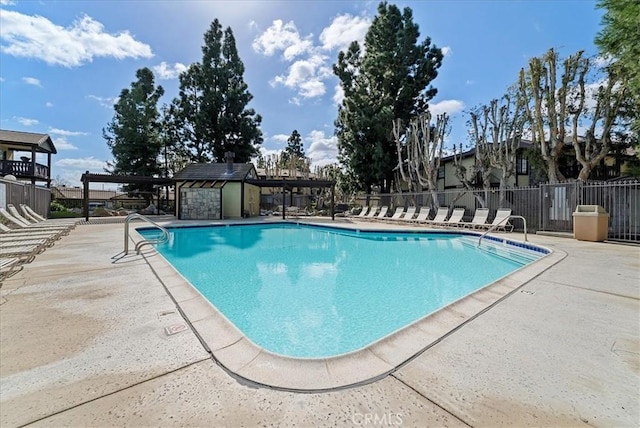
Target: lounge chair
x: 372, y: 212
x: 29, y: 213
x: 17, y: 222
x: 501, y: 221
x: 27, y: 252
x: 61, y: 222
x: 454, y: 220
x: 363, y: 211
x: 9, y: 266
x: 397, y: 214
x: 423, y: 215
x: 408, y: 215
x: 441, y: 216
x: 52, y: 235
x: 480, y: 218
x: 18, y: 241
x: 383, y: 213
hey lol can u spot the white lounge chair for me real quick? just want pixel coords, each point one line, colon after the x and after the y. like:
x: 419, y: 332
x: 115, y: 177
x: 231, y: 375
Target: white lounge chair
x: 19, y: 223
x: 423, y: 215
x: 500, y: 221
x: 408, y: 215
x: 9, y: 266
x: 383, y: 213
x: 480, y: 218
x: 441, y: 215
x: 52, y: 235
x: 363, y: 211
x: 61, y: 222
x: 397, y: 213
x: 454, y: 219
x: 372, y: 212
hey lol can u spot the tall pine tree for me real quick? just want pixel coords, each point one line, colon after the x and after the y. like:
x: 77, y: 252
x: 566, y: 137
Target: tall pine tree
x: 389, y: 81
x: 212, y: 106
x: 133, y: 135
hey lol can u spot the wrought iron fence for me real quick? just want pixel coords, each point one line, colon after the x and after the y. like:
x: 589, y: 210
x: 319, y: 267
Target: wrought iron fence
x: 549, y: 207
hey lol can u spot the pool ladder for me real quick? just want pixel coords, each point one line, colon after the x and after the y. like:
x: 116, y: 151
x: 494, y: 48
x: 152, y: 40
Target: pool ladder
x: 164, y: 238
x: 493, y: 227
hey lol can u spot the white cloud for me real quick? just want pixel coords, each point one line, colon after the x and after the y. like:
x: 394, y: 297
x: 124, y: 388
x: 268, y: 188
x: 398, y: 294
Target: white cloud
x: 26, y: 121
x: 36, y: 37
x: 7, y: 2
x: 82, y: 164
x: 65, y: 133
x: 306, y: 76
x: 48, y: 104
x: 62, y: 144
x: 343, y: 30
x: 323, y: 150
x: 104, y: 101
x: 280, y: 138
x: 1, y: 79
x: 253, y: 24
x: 446, y: 106
x: 282, y: 37
x: 310, y: 65
x: 446, y: 51
x: 165, y: 71
x: 338, y: 95
x: 31, y: 81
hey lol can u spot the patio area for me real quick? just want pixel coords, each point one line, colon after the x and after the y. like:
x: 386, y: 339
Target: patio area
x: 91, y: 339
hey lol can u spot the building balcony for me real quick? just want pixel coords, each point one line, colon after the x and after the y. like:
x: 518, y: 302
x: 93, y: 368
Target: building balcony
x: 24, y: 170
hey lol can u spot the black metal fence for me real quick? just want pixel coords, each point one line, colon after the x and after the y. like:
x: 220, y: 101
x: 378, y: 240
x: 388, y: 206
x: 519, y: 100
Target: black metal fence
x: 549, y: 207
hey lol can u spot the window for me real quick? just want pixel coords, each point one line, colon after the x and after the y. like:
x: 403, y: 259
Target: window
x: 522, y: 165
x: 441, y: 172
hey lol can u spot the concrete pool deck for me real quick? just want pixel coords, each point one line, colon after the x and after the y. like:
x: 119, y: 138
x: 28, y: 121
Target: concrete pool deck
x: 91, y: 340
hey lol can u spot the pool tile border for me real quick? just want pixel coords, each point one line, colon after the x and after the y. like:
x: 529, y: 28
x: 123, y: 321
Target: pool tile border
x: 242, y: 358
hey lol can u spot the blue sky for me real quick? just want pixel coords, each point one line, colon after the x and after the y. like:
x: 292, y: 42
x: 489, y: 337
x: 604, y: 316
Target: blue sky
x: 63, y: 63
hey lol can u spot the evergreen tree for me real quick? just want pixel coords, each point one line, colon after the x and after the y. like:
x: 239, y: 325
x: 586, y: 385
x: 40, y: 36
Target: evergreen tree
x: 389, y: 81
x: 212, y: 104
x: 620, y: 38
x: 133, y: 134
x: 189, y: 119
x: 294, y: 150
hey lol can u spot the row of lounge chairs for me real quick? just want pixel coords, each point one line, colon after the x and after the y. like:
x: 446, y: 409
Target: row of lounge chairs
x: 23, y: 235
x: 442, y: 217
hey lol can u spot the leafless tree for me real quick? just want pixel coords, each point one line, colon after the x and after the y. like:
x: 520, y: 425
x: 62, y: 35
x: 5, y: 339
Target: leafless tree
x: 419, y: 148
x: 552, y: 109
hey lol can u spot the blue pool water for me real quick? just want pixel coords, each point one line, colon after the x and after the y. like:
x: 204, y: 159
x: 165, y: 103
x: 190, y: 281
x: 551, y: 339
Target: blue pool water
x: 307, y: 291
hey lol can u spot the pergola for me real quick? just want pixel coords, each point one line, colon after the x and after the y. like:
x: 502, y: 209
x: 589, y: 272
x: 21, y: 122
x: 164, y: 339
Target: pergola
x: 88, y: 177
x: 291, y: 184
x: 286, y: 185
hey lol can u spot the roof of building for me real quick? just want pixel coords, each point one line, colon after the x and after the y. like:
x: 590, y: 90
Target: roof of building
x: 76, y: 193
x: 25, y: 141
x: 216, y: 171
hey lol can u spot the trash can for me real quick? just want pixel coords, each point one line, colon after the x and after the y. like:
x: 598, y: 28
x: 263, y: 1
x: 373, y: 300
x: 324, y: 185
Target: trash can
x: 590, y: 223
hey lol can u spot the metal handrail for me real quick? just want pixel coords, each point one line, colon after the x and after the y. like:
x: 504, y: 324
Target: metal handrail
x: 130, y: 217
x: 494, y: 226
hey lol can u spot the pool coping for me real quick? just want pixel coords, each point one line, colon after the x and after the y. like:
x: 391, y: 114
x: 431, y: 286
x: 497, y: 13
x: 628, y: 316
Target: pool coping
x: 233, y: 351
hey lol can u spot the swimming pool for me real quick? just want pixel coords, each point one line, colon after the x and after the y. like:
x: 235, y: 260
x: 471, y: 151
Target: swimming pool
x: 310, y: 292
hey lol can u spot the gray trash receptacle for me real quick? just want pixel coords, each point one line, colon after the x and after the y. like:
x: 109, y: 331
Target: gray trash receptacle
x: 590, y: 223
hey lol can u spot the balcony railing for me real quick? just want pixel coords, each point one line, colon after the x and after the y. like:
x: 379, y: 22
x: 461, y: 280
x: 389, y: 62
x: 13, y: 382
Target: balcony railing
x: 21, y: 169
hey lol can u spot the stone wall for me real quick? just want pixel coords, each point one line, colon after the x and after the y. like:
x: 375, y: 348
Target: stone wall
x: 200, y: 204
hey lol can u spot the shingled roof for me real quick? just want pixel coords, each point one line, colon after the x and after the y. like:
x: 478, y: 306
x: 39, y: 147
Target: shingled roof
x: 216, y: 171
x: 24, y: 141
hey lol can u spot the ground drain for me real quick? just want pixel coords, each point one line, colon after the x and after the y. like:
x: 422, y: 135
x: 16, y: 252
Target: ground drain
x: 175, y: 329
